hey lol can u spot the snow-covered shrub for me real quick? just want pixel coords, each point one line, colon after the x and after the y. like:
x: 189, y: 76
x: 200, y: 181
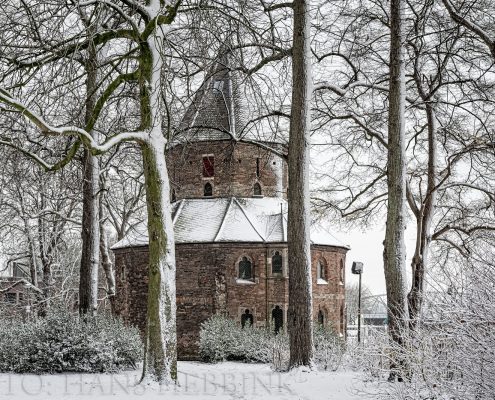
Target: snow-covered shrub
x: 217, y: 338
x: 222, y: 338
x: 62, y: 342
x: 451, y: 352
x: 280, y: 352
x: 329, y: 348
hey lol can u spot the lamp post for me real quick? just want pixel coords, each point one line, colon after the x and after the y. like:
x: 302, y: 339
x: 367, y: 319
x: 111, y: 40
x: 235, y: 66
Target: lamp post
x: 357, y: 269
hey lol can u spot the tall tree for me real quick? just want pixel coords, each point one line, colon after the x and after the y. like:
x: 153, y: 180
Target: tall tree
x: 90, y: 232
x: 394, y: 254
x: 142, y: 61
x: 300, y: 312
x: 445, y: 164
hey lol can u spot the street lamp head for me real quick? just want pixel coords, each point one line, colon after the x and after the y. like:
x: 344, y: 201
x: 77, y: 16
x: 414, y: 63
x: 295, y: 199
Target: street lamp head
x: 357, y: 268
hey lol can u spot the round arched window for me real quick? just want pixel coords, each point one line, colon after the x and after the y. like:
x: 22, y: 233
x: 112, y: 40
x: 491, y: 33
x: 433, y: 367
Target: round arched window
x: 321, y: 318
x: 278, y: 318
x: 257, y: 189
x: 245, y: 269
x: 208, y: 189
x: 320, y: 271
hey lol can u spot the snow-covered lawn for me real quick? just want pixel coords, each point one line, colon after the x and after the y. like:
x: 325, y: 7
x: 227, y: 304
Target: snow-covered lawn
x: 228, y: 380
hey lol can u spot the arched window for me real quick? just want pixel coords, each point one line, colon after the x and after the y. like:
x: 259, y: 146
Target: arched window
x: 257, y: 189
x: 245, y: 269
x: 278, y: 318
x: 208, y: 189
x: 247, y: 318
x: 341, y: 275
x: 277, y: 263
x: 321, y: 318
x: 174, y: 196
x: 320, y: 271
x: 342, y: 320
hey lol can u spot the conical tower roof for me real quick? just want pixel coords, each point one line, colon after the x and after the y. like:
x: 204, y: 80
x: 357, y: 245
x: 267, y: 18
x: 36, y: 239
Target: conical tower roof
x: 215, y: 112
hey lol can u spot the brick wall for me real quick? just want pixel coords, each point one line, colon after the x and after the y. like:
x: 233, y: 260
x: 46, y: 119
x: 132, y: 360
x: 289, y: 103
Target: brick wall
x: 235, y: 167
x: 207, y: 284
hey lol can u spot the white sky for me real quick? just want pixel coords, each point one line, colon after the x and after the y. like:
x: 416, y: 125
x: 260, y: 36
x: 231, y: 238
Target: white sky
x: 367, y: 247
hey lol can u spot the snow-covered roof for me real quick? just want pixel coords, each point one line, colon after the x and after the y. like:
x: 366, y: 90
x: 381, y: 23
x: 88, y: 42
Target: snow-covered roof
x: 12, y: 282
x: 232, y: 219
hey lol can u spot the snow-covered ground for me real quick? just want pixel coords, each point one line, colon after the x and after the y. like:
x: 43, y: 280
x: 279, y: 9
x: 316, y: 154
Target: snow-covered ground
x: 228, y: 380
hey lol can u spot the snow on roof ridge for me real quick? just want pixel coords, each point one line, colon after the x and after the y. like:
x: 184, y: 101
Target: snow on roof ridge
x: 284, y: 233
x: 249, y: 219
x: 322, y: 228
x: 260, y: 220
x: 25, y: 282
x: 179, y: 210
x: 223, y: 219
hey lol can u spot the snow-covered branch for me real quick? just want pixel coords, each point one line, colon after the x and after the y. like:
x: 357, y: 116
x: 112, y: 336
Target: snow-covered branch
x: 85, y: 137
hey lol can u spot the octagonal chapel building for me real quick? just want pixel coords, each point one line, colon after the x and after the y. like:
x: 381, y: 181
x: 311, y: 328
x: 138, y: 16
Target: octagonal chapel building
x: 230, y: 223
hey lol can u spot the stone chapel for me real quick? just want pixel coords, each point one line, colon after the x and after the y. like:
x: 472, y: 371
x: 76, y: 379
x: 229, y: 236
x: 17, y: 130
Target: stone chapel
x: 230, y: 221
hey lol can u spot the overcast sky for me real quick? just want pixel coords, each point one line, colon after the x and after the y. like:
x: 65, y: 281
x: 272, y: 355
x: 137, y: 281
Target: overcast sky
x: 367, y: 247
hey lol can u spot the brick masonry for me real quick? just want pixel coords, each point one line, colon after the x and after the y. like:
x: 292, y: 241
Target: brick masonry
x: 207, y: 273
x: 235, y: 169
x: 207, y: 284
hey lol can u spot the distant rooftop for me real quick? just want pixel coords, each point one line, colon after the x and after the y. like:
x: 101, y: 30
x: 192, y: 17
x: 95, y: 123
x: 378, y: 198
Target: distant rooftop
x: 232, y: 219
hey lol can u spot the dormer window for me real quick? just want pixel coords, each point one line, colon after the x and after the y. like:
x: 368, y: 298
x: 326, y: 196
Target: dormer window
x: 208, y: 166
x: 208, y: 190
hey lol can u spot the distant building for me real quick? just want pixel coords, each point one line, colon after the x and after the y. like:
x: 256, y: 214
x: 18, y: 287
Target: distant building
x: 17, y: 294
x: 229, y: 195
x: 376, y: 312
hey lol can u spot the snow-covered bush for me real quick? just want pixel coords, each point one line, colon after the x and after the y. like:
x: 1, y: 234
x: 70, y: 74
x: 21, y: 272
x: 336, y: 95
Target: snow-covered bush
x: 62, y: 342
x: 329, y: 348
x: 224, y: 339
x: 280, y: 352
x: 451, y: 352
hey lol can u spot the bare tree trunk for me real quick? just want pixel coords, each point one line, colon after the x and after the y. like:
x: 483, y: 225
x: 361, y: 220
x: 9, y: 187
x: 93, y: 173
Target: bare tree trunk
x: 90, y: 257
x: 423, y: 222
x: 106, y: 261
x: 394, y: 251
x: 300, y: 313
x: 160, y: 351
x: 88, y: 284
x: 160, y: 359
x: 46, y: 261
x: 33, y: 263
